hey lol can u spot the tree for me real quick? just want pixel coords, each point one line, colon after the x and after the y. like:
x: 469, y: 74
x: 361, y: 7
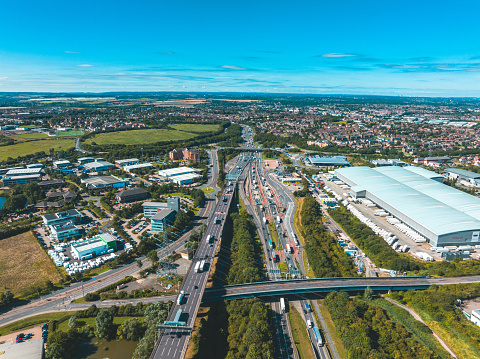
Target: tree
x: 132, y: 329
x: 191, y: 245
x: 139, y: 263
x: 368, y: 294
x: 49, y: 284
x: 104, y: 322
x: 7, y: 297
x: 153, y: 256
x: 72, y: 322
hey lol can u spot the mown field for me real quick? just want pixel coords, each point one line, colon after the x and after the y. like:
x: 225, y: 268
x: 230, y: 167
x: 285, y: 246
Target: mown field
x: 135, y: 137
x: 24, y: 264
x: 30, y: 136
x: 70, y: 133
x: 30, y: 147
x: 196, y: 127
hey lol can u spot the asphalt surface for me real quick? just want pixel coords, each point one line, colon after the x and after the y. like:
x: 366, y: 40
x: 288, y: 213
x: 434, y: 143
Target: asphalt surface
x: 59, y: 298
x: 173, y: 341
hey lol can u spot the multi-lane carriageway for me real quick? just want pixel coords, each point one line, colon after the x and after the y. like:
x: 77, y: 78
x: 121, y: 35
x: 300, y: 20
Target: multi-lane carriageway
x: 173, y: 340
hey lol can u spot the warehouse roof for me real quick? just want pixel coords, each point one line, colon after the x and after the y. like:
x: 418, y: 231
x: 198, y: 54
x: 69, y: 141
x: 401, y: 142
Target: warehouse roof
x: 101, y: 180
x: 328, y: 161
x: 31, y: 349
x: 176, y: 171
x: 185, y: 177
x: 98, y: 164
x: 437, y: 207
x: 137, y: 166
x: 128, y: 160
x: 23, y: 171
x: 464, y: 173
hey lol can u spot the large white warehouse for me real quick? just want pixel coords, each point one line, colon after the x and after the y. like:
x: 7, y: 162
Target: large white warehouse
x: 417, y: 197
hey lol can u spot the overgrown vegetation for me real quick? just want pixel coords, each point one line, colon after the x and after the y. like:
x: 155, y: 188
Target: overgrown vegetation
x: 367, y: 331
x: 437, y: 306
x: 325, y: 255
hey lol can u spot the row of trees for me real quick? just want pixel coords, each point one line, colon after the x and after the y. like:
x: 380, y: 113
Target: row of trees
x: 64, y: 344
x: 325, y: 255
x: 367, y: 331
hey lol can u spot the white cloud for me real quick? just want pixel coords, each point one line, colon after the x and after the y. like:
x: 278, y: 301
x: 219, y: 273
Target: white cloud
x: 84, y: 65
x: 338, y: 54
x: 3, y: 78
x: 71, y: 52
x: 232, y: 67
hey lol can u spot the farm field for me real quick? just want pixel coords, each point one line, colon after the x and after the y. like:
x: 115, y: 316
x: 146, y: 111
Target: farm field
x: 195, y: 127
x: 135, y: 137
x: 70, y: 133
x: 30, y: 147
x: 30, y: 136
x: 24, y: 264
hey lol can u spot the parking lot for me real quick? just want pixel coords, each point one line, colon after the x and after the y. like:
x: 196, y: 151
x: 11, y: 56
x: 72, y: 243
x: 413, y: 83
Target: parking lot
x: 62, y: 256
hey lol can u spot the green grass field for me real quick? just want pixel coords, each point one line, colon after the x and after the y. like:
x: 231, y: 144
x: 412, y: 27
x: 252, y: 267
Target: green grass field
x: 192, y: 127
x: 30, y: 136
x: 70, y: 133
x: 136, y: 137
x: 30, y: 147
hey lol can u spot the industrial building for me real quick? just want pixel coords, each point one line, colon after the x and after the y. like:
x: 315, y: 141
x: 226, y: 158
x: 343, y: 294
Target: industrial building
x: 131, y: 195
x: 99, y: 182
x: 137, y: 166
x: 95, y: 246
x: 152, y: 208
x: 83, y: 160
x: 66, y: 230
x: 98, y: 166
x: 30, y: 349
x: 471, y: 178
x: 12, y: 181
x: 72, y: 215
x: 443, y: 215
x: 321, y: 161
x: 390, y: 162
x: 180, y: 175
x: 62, y: 164
x: 127, y: 162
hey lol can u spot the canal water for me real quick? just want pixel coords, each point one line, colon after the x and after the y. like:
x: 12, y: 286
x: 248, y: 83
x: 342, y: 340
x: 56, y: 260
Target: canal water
x: 96, y: 349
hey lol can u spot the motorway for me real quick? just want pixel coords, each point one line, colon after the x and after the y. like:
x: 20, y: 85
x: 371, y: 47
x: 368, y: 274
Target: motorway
x: 59, y: 298
x: 173, y: 341
x: 318, y: 285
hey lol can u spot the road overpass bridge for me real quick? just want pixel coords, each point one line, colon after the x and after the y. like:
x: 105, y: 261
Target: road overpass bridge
x: 323, y: 285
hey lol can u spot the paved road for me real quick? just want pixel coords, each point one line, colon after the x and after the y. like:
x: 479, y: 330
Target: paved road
x: 50, y: 302
x: 173, y: 341
x: 303, y: 286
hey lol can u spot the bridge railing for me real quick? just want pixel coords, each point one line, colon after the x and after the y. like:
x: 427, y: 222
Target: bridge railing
x: 314, y: 280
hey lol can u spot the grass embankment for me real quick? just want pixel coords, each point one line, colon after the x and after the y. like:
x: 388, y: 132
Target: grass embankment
x: 326, y: 256
x: 208, y: 190
x: 337, y: 342
x: 24, y: 265
x: 274, y: 235
x: 436, y: 306
x: 34, y: 321
x: 300, y: 334
x: 135, y: 137
x: 70, y: 133
x: 30, y: 136
x: 369, y: 331
x: 297, y: 225
x: 31, y: 147
x: 419, y: 331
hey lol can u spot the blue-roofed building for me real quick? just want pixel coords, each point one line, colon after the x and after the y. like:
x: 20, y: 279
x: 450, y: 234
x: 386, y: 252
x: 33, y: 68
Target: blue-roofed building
x: 442, y: 214
x: 321, y: 161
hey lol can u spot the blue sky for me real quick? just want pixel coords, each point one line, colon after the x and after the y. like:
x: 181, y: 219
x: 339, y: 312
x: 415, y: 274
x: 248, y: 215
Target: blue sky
x: 405, y: 48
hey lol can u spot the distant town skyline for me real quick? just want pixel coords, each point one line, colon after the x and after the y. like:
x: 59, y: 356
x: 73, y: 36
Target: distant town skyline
x: 413, y: 48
